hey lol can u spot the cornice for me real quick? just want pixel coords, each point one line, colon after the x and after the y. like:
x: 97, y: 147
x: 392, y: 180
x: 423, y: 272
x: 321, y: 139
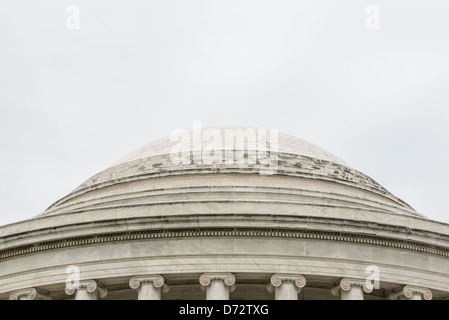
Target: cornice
x: 256, y: 232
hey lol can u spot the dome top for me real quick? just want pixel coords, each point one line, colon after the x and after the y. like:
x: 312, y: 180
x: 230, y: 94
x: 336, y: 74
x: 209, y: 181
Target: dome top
x: 286, y: 143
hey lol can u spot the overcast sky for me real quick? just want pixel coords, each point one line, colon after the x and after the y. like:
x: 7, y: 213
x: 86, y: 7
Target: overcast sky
x: 365, y: 80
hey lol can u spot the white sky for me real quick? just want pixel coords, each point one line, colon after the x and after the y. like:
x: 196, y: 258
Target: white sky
x: 72, y: 102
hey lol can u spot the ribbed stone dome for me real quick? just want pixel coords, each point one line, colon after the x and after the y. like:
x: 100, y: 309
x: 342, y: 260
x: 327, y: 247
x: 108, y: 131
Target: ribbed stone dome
x: 155, y: 179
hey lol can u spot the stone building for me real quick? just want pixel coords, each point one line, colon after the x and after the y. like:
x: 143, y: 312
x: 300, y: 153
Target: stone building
x: 226, y: 213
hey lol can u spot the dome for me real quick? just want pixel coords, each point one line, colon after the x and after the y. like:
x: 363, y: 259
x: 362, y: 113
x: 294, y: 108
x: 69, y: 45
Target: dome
x: 150, y: 176
x: 226, y: 213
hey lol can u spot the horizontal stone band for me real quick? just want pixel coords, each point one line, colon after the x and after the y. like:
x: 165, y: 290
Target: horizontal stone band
x: 230, y: 232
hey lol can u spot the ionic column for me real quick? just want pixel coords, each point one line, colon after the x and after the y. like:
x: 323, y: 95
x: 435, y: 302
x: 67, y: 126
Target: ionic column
x: 286, y: 286
x: 411, y: 293
x: 352, y: 289
x: 218, y: 285
x: 149, y: 287
x: 29, y: 294
x: 87, y: 290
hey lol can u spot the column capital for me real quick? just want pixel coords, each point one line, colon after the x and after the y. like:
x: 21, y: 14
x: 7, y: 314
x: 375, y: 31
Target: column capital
x: 29, y: 294
x: 277, y: 279
x: 217, y: 285
x: 346, y: 284
x: 410, y: 291
x: 155, y: 279
x: 88, y: 285
x: 227, y: 277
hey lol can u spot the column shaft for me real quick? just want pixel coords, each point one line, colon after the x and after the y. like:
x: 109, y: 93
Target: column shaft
x: 286, y: 291
x: 217, y: 290
x: 147, y: 291
x: 83, y: 294
x: 355, y: 293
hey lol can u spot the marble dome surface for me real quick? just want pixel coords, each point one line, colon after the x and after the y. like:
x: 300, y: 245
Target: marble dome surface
x: 312, y: 177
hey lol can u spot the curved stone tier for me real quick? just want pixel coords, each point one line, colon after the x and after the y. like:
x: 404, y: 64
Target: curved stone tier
x: 306, y: 176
